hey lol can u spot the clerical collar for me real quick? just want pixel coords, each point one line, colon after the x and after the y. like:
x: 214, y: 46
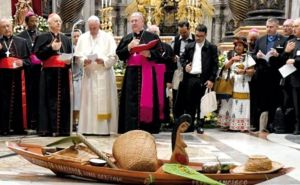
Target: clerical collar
x: 55, y: 36
x: 7, y: 38
x: 138, y: 35
x: 31, y: 31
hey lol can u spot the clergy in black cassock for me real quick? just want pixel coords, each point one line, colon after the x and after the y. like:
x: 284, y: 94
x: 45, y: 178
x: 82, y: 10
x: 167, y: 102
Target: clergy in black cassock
x: 130, y: 115
x: 33, y: 71
x: 14, y: 57
x: 54, y: 105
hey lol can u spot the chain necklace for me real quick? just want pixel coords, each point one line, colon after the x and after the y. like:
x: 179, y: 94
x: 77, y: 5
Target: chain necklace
x: 141, y: 36
x: 8, y: 48
x: 58, y: 36
x: 31, y: 39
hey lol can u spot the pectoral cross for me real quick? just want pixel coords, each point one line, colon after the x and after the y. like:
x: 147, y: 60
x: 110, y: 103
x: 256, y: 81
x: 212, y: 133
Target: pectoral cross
x: 7, y: 53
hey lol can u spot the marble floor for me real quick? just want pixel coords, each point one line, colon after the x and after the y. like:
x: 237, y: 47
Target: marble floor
x: 227, y: 146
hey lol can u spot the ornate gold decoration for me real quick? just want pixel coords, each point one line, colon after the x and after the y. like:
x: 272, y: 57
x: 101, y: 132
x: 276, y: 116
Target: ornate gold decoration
x: 191, y: 10
x: 106, y: 18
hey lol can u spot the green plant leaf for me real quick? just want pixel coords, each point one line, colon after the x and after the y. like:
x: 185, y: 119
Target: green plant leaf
x: 187, y: 172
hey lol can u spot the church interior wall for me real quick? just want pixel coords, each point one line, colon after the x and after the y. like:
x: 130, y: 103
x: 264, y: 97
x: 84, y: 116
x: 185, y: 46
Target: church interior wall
x: 216, y: 25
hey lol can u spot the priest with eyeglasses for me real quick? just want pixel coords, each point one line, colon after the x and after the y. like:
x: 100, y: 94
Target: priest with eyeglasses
x: 14, y: 57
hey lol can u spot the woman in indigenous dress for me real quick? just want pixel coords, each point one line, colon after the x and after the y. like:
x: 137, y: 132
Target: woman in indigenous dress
x: 242, y: 65
x: 224, y: 112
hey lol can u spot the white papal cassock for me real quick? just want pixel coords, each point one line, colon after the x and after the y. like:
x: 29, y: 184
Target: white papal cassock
x: 99, y: 100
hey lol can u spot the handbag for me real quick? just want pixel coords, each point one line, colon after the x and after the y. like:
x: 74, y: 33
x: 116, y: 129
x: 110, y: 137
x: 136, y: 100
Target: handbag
x: 208, y: 102
x: 177, y: 78
x: 224, y: 87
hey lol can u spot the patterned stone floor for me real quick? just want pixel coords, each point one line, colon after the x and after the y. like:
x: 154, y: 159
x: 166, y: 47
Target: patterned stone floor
x: 289, y: 140
x: 227, y: 146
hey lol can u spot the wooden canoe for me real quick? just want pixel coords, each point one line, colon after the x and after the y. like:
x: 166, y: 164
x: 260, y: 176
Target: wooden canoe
x: 33, y: 153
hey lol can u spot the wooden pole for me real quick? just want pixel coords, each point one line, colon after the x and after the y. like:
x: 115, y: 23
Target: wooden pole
x: 99, y: 153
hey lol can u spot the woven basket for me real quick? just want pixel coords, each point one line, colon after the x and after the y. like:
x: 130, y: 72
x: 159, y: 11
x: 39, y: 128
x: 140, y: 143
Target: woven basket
x: 136, y: 150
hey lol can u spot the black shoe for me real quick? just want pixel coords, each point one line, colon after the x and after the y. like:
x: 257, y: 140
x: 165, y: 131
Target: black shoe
x: 296, y: 132
x: 191, y: 128
x: 280, y: 131
x: 200, y: 130
x: 45, y: 134
x: 297, y: 129
x: 4, y: 133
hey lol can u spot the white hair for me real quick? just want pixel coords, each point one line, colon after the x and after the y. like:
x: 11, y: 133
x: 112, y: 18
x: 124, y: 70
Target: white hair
x: 154, y: 29
x: 137, y: 14
x: 297, y: 20
x: 52, y: 16
x: 4, y: 19
x: 93, y: 18
x: 288, y: 21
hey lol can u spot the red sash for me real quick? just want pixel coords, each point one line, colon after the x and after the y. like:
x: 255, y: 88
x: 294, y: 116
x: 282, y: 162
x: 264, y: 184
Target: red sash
x: 9, y: 63
x: 24, y: 102
x: 54, y: 61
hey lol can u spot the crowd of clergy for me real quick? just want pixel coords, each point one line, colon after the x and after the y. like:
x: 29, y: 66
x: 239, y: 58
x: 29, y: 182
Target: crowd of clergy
x: 53, y: 84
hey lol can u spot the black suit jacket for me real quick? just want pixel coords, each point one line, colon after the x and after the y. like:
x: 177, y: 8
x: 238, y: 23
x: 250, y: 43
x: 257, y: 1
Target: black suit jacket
x: 22, y: 50
x: 177, y: 44
x: 295, y: 77
x: 167, y: 58
x: 42, y: 47
x: 209, y: 56
x: 261, y: 44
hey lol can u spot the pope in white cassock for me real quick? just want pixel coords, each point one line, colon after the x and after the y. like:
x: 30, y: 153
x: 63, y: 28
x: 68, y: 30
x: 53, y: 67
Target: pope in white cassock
x: 99, y: 100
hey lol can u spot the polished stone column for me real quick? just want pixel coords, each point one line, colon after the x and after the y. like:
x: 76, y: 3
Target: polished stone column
x: 218, y: 23
x: 261, y: 10
x: 88, y: 10
x: 295, y: 9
